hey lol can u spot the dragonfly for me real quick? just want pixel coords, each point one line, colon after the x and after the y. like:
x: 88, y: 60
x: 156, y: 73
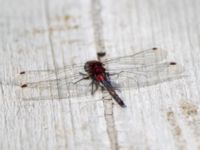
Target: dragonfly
x: 144, y: 68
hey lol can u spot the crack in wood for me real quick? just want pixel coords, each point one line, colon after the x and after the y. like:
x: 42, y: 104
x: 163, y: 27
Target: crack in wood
x: 100, y: 48
x: 97, y: 25
x: 47, y: 15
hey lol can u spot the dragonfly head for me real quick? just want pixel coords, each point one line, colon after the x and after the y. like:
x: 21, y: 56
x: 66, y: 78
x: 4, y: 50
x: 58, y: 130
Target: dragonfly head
x: 94, y: 67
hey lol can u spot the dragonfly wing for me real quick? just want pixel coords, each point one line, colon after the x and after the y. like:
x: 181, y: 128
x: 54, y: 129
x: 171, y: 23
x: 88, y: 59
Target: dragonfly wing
x: 52, y: 83
x: 67, y: 72
x: 149, y: 56
x: 147, y: 75
x: 61, y: 91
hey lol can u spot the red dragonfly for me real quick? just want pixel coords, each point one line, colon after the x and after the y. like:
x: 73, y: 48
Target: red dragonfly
x: 141, y: 69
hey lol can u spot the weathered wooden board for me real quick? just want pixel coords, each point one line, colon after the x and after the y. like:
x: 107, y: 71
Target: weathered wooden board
x: 50, y: 34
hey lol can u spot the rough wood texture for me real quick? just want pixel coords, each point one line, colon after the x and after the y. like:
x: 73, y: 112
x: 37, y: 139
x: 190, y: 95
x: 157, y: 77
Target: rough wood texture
x: 49, y: 34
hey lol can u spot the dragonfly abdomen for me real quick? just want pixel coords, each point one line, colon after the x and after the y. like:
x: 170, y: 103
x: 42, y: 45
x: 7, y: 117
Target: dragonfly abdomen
x: 113, y: 93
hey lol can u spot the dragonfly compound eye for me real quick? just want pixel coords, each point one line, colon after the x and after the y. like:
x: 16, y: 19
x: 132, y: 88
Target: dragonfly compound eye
x: 86, y: 67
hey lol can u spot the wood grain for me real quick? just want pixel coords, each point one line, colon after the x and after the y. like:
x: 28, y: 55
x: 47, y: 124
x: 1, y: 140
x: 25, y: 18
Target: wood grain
x: 50, y: 34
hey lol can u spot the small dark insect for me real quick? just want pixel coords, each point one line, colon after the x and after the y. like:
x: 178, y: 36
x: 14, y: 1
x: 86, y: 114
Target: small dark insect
x: 137, y: 70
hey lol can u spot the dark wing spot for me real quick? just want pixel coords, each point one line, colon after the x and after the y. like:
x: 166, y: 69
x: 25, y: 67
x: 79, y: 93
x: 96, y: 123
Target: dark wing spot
x: 154, y: 48
x: 24, y: 85
x: 172, y: 63
x: 23, y: 72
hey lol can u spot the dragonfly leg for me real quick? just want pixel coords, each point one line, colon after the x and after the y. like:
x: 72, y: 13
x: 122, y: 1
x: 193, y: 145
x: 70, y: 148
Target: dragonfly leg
x: 84, y: 78
x: 83, y: 74
x: 96, y: 87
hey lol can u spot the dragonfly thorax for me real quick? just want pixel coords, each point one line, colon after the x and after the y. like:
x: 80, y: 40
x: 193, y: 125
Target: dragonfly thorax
x: 94, y: 68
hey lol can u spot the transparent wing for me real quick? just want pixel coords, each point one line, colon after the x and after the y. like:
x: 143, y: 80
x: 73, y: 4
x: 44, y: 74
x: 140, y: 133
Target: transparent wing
x: 146, y: 57
x: 57, y: 89
x: 39, y: 78
x: 138, y: 70
x: 147, y: 75
x: 144, y: 68
x: 69, y: 73
x: 47, y: 83
x: 52, y: 84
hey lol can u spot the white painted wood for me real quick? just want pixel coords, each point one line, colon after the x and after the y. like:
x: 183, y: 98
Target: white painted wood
x: 53, y: 33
